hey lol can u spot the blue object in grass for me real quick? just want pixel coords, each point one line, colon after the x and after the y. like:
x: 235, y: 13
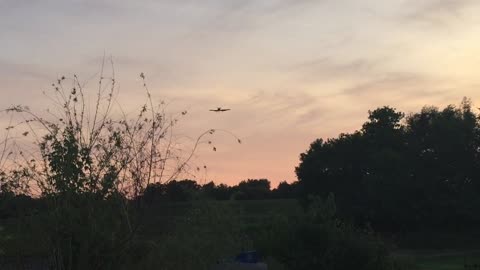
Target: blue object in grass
x: 248, y: 257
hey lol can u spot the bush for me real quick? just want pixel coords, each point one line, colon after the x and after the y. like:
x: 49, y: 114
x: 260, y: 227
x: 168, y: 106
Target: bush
x: 318, y: 240
x: 87, y: 161
x: 209, y: 232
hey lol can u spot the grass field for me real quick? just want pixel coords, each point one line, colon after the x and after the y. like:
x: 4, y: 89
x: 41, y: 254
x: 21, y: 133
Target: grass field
x: 422, y: 251
x: 441, y: 259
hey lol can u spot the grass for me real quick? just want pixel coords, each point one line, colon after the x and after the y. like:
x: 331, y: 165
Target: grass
x: 421, y: 251
x: 434, y: 250
x: 440, y: 259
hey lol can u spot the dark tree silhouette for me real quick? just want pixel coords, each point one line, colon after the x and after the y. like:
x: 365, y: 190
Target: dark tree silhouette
x: 252, y: 189
x: 401, y: 173
x: 285, y: 190
x: 184, y: 190
x: 217, y: 192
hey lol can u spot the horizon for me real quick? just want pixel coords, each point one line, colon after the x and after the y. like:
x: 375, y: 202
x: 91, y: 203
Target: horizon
x: 290, y: 71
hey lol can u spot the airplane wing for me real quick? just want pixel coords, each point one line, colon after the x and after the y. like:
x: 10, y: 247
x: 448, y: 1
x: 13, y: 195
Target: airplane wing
x: 220, y: 110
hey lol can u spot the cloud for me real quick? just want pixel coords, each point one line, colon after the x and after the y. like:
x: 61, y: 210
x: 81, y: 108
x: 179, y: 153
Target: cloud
x: 399, y: 87
x: 71, y: 7
x: 330, y: 68
x: 436, y: 13
x: 282, y: 106
x: 21, y: 71
x: 263, y: 112
x: 231, y: 16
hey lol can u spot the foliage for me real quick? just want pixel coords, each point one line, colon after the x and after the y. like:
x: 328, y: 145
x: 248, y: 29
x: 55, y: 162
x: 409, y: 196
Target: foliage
x: 220, y: 192
x: 93, y: 152
x: 85, y: 164
x: 173, y: 191
x: 187, y: 190
x: 285, y: 190
x: 318, y: 240
x: 401, y: 174
x: 206, y: 234
x: 252, y: 189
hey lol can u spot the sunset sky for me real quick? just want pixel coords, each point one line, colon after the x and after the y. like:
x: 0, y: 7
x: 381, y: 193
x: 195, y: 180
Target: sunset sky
x: 290, y: 70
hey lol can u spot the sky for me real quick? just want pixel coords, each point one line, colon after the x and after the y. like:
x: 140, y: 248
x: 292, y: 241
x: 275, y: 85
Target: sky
x: 290, y: 70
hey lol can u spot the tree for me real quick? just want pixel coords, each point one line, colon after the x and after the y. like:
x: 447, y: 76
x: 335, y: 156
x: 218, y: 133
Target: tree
x: 401, y: 174
x: 444, y: 147
x: 252, y: 189
x: 217, y: 192
x: 318, y: 239
x: 88, y: 161
x: 184, y: 190
x: 154, y: 192
x: 285, y: 190
x: 336, y: 166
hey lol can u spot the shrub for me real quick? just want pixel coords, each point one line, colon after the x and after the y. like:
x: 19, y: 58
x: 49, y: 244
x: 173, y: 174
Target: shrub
x: 86, y: 165
x: 209, y: 232
x: 318, y: 240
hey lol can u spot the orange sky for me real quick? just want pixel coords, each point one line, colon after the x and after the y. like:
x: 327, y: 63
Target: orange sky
x: 290, y: 70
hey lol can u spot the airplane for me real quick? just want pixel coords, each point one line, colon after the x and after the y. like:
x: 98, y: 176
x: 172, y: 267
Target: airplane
x: 219, y: 109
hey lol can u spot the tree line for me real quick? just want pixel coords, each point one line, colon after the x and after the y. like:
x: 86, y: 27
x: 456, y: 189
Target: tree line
x: 398, y: 172
x: 187, y: 190
x: 402, y: 172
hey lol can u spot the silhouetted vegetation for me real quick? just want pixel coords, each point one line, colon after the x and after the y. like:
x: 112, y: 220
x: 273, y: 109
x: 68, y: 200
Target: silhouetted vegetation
x: 188, y: 190
x: 87, y: 168
x: 104, y: 193
x: 402, y: 173
x: 317, y: 239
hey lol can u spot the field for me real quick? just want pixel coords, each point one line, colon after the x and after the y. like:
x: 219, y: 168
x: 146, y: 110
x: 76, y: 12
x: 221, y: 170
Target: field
x: 439, y: 250
x: 441, y: 259
x: 422, y: 251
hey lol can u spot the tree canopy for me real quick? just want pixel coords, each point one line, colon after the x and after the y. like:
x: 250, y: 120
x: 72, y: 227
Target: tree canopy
x: 401, y: 172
